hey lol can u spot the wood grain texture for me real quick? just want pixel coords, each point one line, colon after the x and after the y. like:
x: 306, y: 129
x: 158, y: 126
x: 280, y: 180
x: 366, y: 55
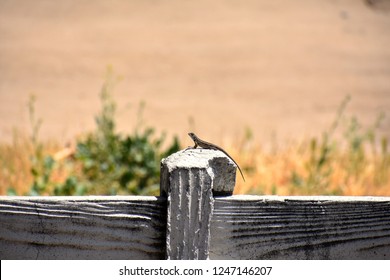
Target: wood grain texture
x: 82, y: 227
x: 245, y: 227
x: 190, y: 207
x: 242, y: 227
x: 187, y: 179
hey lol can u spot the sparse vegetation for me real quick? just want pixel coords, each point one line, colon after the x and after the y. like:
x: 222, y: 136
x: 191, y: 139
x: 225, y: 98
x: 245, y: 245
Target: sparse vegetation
x: 105, y: 162
x: 358, y: 163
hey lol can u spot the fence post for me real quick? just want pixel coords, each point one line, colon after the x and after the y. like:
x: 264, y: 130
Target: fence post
x: 189, y: 179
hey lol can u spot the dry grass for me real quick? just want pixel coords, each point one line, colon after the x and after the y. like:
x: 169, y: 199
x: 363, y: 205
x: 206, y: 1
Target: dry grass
x: 16, y: 162
x: 282, y: 172
x: 287, y: 172
x: 15, y: 166
x: 354, y: 164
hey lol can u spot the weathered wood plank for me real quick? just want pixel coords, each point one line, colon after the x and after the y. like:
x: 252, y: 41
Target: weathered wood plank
x: 242, y: 227
x: 82, y: 227
x: 263, y: 227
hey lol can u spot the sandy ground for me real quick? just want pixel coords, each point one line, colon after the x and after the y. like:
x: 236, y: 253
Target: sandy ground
x: 280, y: 68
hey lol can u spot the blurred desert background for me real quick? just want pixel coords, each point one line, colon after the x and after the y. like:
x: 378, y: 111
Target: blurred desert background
x: 279, y: 69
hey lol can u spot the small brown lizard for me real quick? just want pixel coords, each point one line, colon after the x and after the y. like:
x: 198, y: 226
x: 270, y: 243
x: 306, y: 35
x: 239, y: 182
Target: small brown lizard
x: 206, y: 145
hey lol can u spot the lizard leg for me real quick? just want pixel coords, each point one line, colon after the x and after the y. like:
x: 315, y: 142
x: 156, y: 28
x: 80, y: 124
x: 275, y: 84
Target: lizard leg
x: 189, y: 147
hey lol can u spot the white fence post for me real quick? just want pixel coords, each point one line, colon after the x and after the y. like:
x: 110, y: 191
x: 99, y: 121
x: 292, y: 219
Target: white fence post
x: 188, y: 180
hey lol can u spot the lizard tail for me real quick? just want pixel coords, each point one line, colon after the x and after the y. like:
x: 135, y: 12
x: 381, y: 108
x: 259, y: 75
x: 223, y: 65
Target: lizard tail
x: 242, y: 175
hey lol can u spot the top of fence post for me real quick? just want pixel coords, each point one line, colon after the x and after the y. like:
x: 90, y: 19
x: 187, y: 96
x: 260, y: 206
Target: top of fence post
x: 189, y: 179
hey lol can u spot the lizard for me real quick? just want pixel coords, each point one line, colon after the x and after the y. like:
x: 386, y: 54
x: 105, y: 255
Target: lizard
x: 206, y: 145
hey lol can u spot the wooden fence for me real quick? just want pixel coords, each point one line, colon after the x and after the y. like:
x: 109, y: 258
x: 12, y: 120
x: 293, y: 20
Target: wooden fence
x: 196, y: 217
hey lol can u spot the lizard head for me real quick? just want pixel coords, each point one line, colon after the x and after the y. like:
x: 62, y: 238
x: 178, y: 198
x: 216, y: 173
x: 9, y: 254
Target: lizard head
x: 192, y: 135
